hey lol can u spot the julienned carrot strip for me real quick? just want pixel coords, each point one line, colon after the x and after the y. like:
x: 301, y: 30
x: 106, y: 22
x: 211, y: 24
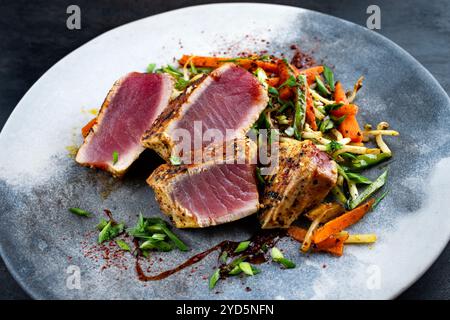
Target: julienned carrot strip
x: 214, y: 62
x: 335, y: 248
x: 340, y: 223
x: 202, y: 62
x: 284, y: 72
x: 311, y: 73
x: 310, y: 115
x: 253, y: 64
x: 339, y: 93
x: 345, y: 110
x: 297, y: 233
x: 85, y: 130
x: 349, y: 128
x: 273, y: 82
x: 331, y: 241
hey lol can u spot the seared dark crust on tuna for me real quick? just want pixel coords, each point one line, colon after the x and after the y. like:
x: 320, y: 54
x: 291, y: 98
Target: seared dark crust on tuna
x: 138, y: 95
x: 167, y: 180
x: 240, y: 93
x: 304, y: 178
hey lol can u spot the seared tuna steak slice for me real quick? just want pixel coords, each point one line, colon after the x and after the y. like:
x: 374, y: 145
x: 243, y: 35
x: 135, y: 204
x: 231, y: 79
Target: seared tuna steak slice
x: 129, y: 109
x: 214, y: 192
x: 304, y: 177
x: 229, y: 98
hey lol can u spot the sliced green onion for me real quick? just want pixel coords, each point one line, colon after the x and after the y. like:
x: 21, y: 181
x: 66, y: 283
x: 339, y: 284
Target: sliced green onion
x: 276, y: 253
x: 321, y: 87
x: 273, y: 91
x: 246, y: 268
x: 123, y: 245
x: 104, y: 234
x: 286, y: 263
x: 357, y: 178
x: 277, y: 256
x: 262, y: 77
x: 80, y: 212
x: 101, y: 224
x: 329, y: 77
x: 379, y: 199
x: 290, y: 82
x: 237, y: 261
x: 193, y: 68
x: 236, y: 270
x: 333, y: 106
x: 159, y: 236
x: 255, y: 270
x: 326, y: 124
x: 151, y: 67
x: 178, y: 243
x: 333, y: 146
x: 242, y: 246
x: 223, y: 257
x: 364, y: 161
x: 214, y: 278
x: 115, y: 156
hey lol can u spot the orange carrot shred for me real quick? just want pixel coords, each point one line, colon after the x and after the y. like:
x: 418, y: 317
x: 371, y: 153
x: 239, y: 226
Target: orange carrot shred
x: 310, y: 115
x: 214, y: 62
x: 273, y: 82
x: 85, y: 130
x: 337, y: 250
x: 311, y: 73
x: 349, y: 128
x: 345, y: 110
x: 339, y: 93
x: 297, y: 233
x: 340, y: 223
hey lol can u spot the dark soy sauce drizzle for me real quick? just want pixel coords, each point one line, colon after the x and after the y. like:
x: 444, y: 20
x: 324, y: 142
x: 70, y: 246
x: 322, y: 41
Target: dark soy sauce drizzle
x: 255, y: 254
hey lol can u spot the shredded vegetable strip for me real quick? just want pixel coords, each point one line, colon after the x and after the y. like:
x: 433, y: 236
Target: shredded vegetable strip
x: 361, y: 239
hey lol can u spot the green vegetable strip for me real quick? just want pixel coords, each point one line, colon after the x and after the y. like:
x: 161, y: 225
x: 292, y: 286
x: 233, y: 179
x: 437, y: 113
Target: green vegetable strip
x: 321, y: 88
x: 214, y: 278
x: 123, y: 245
x: 357, y: 178
x: 337, y: 192
x: 242, y: 246
x: 151, y: 67
x: 104, y: 234
x: 288, y: 264
x: 223, y: 257
x: 178, y: 243
x: 236, y: 270
x: 368, y: 160
x: 379, y: 199
x: 115, y: 157
x: 329, y: 77
x: 377, y: 184
x: 333, y: 106
x: 246, y: 268
x: 300, y: 108
x: 80, y: 212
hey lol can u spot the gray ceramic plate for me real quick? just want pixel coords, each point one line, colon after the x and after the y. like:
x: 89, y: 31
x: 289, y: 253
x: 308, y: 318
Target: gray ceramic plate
x: 39, y: 181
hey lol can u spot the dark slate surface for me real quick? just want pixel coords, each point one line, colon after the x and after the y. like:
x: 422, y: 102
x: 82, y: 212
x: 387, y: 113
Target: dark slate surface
x: 33, y: 36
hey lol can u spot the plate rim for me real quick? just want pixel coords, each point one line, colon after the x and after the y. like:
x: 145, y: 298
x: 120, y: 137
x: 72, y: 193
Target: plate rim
x: 423, y: 268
